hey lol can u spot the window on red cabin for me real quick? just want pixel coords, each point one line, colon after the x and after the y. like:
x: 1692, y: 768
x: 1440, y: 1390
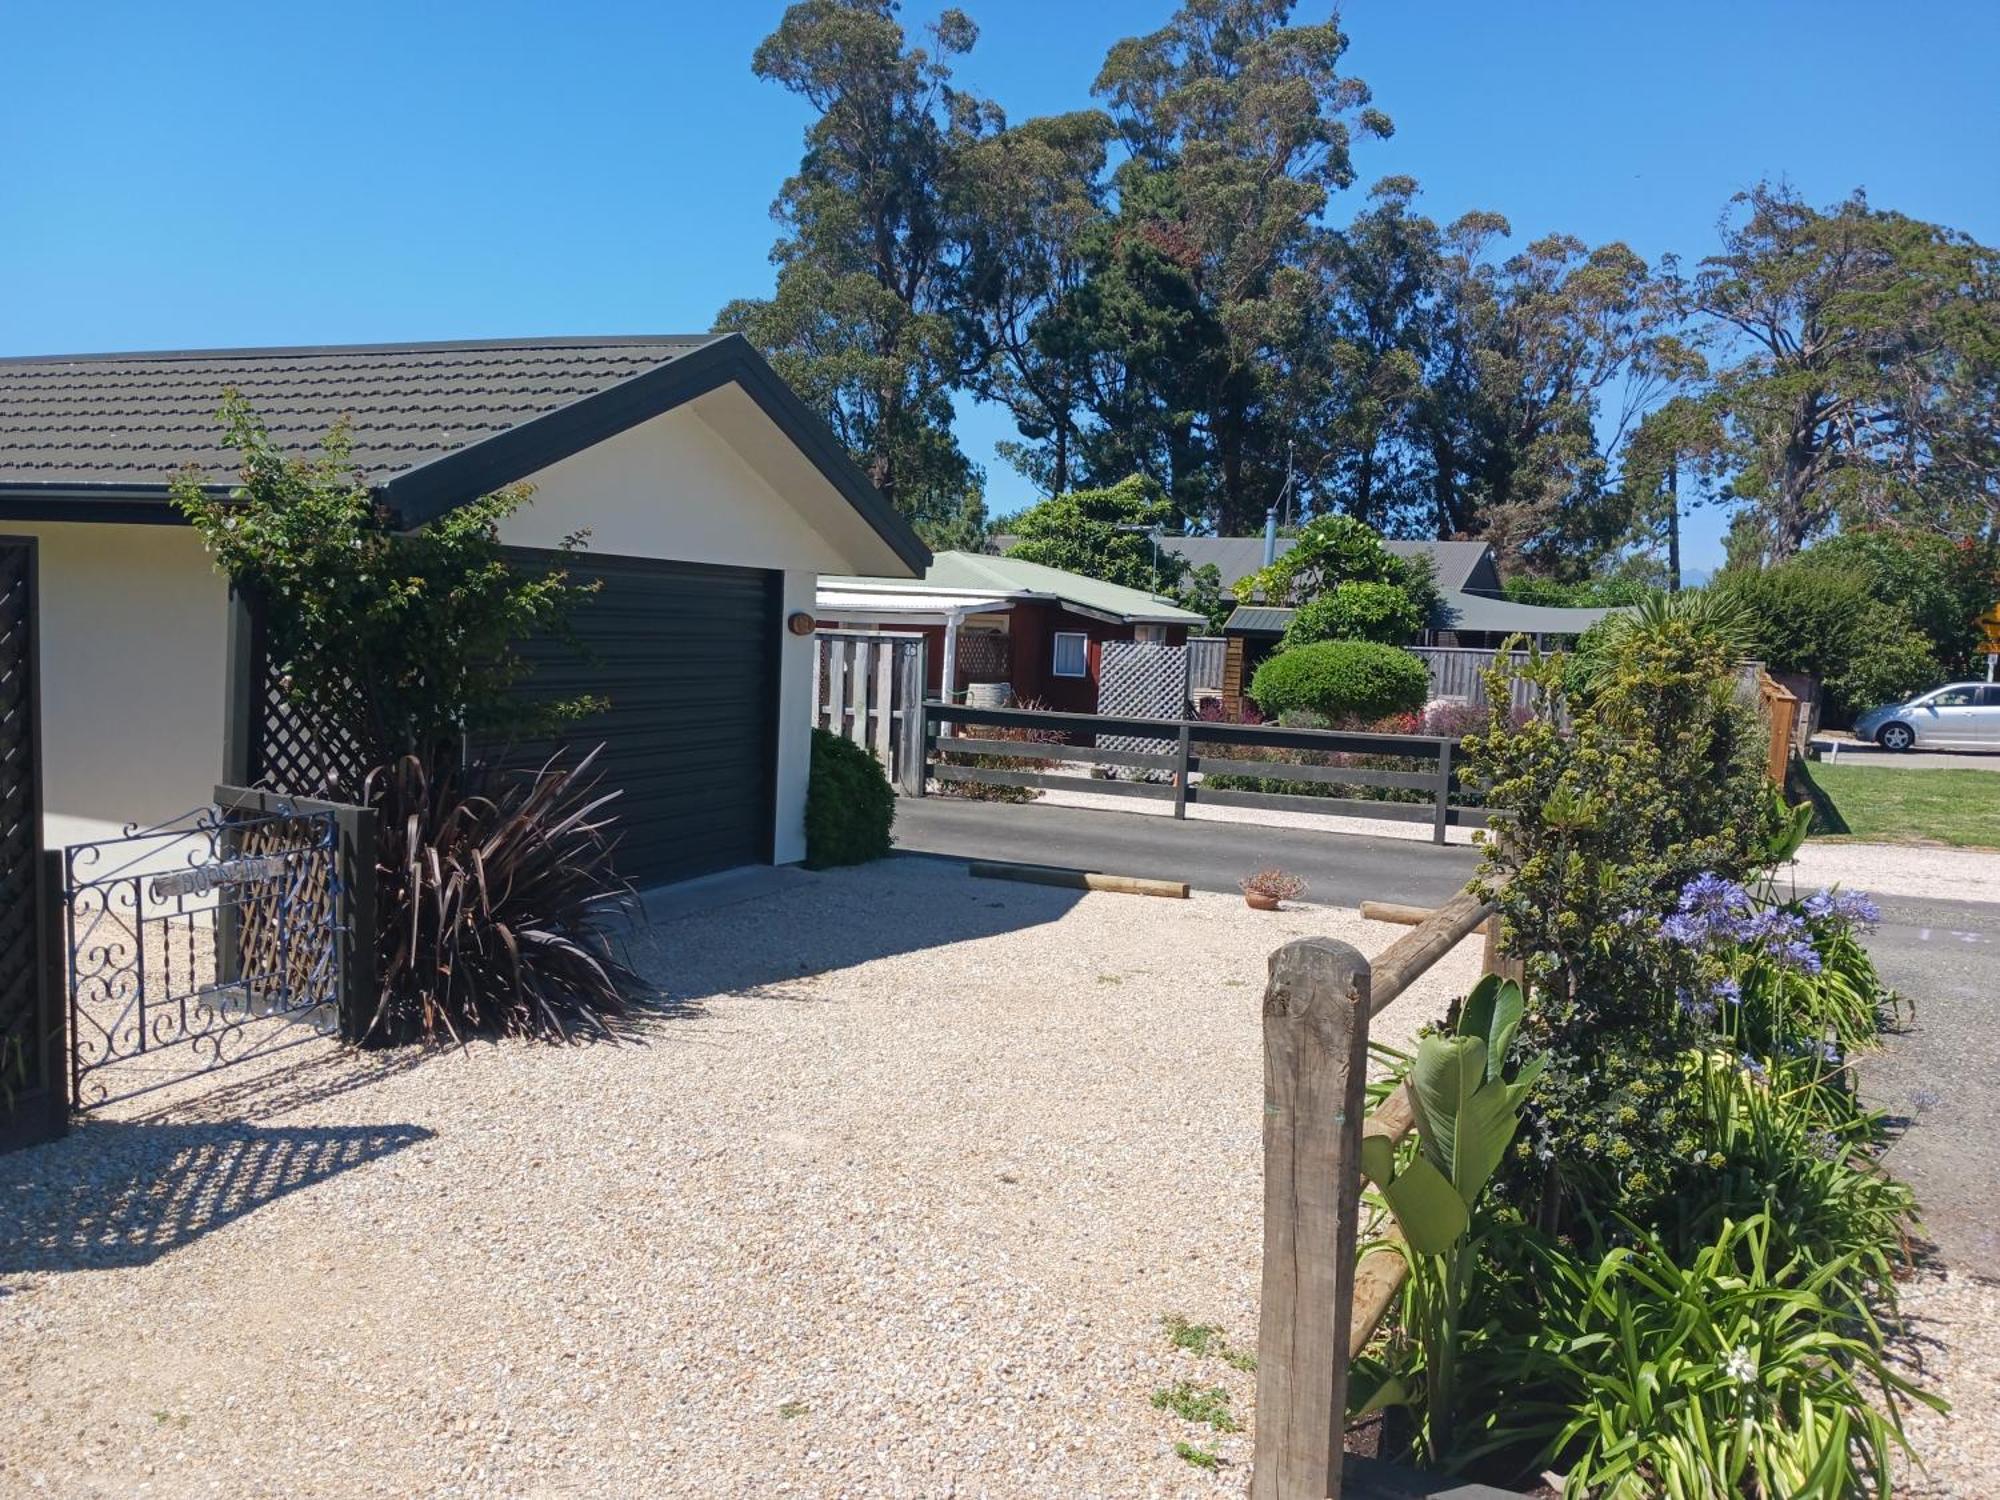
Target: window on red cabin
x: 1072, y: 654
x: 1150, y: 634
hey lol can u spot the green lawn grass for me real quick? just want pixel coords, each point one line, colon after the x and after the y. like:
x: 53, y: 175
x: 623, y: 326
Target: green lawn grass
x: 1889, y: 805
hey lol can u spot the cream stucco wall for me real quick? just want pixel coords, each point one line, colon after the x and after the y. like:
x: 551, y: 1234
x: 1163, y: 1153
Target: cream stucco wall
x: 133, y: 626
x: 714, y: 482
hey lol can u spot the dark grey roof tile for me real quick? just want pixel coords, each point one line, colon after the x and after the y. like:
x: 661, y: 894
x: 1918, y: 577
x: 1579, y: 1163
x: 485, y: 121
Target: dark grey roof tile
x: 141, y: 418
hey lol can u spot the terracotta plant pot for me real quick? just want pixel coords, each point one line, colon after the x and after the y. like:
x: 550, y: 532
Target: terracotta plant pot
x: 1260, y: 901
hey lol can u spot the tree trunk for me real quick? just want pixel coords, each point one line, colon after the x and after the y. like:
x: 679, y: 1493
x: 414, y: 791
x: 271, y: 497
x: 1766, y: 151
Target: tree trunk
x: 1674, y: 525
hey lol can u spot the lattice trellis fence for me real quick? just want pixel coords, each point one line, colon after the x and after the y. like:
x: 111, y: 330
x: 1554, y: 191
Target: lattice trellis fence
x: 288, y: 746
x: 1140, y: 680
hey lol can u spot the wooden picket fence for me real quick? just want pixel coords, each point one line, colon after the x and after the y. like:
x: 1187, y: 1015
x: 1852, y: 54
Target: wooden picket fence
x: 1319, y: 1307
x: 868, y: 686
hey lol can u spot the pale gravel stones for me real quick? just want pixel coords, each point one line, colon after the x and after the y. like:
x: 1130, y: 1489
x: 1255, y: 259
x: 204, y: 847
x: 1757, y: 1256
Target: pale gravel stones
x: 891, y: 1206
x: 1952, y: 1349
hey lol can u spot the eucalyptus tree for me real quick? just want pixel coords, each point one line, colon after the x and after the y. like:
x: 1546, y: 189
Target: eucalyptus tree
x: 871, y: 267
x: 1858, y: 369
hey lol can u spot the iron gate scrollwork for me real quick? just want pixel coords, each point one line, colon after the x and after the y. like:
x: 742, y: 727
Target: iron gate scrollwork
x: 199, y: 944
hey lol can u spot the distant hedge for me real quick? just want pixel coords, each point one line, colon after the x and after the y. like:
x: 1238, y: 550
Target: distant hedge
x: 1342, y: 680
x: 849, y: 804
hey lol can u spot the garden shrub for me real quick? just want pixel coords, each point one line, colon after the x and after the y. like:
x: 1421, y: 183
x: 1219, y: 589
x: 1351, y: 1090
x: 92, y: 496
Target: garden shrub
x: 493, y: 889
x: 1658, y: 780
x: 1936, y: 585
x: 496, y: 894
x: 1341, y: 679
x: 1891, y: 660
x: 1354, y: 611
x: 850, y: 805
x: 1807, y: 619
x: 1688, y: 1257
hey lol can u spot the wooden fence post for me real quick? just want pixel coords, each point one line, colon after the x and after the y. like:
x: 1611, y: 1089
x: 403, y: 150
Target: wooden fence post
x: 1316, y: 1009
x: 1443, y: 793
x: 1185, y: 748
x: 913, y: 662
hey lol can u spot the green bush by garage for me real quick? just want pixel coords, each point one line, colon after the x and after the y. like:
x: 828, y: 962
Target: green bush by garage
x: 850, y: 805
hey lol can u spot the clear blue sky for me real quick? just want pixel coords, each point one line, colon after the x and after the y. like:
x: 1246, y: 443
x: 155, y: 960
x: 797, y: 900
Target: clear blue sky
x: 222, y: 173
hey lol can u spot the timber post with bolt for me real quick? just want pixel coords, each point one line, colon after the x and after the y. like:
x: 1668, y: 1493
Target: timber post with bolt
x: 1316, y: 1009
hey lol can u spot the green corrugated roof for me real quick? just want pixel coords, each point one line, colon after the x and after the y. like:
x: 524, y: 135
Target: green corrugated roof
x: 1013, y: 575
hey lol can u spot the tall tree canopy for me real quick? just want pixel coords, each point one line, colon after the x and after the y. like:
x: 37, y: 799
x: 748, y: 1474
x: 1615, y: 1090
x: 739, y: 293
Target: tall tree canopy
x: 871, y: 271
x: 1160, y: 284
x: 1860, y: 362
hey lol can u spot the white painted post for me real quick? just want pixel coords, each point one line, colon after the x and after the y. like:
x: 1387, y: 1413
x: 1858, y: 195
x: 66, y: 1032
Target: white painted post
x: 857, y: 731
x: 819, y: 650
x: 951, y: 623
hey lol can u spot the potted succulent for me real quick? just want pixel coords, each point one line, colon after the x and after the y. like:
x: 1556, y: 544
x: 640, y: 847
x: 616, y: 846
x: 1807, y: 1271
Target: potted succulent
x: 1265, y: 890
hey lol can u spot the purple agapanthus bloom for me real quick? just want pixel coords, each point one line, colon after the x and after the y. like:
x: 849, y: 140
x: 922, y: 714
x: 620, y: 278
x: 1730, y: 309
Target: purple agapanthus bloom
x: 1852, y: 907
x: 1728, y: 991
x: 1702, y: 1010
x: 1784, y: 938
x: 1710, y: 908
x: 1754, y: 1068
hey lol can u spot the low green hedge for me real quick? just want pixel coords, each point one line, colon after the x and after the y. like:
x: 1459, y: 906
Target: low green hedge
x: 1342, y: 680
x: 849, y: 804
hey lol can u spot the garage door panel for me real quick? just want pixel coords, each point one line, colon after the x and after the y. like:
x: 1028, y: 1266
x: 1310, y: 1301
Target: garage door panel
x: 686, y: 655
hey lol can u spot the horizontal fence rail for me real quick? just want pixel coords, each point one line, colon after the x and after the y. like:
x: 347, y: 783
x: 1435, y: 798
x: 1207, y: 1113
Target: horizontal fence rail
x: 1184, y: 773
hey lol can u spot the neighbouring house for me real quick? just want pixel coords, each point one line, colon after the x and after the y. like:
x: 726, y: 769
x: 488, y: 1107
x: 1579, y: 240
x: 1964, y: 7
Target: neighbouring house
x: 1040, y: 630
x: 1473, y: 610
x: 712, y: 498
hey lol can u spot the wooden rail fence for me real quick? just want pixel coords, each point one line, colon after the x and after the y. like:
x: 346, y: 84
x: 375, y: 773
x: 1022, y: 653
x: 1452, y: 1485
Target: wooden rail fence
x: 1170, y: 773
x: 1319, y: 1306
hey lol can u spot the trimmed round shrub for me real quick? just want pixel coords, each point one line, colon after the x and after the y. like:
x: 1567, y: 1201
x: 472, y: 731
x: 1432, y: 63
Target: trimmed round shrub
x: 849, y: 804
x: 1342, y: 680
x: 1382, y: 612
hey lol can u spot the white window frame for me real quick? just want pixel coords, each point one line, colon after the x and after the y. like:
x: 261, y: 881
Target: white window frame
x: 1150, y: 635
x: 1056, y: 659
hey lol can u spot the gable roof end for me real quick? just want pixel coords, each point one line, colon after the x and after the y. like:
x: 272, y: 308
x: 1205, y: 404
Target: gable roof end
x: 101, y: 437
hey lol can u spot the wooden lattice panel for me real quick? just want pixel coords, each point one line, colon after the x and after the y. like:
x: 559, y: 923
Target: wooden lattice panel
x: 296, y: 750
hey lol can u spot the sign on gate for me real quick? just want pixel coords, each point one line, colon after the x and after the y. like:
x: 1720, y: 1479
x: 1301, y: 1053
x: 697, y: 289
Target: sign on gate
x: 199, y: 944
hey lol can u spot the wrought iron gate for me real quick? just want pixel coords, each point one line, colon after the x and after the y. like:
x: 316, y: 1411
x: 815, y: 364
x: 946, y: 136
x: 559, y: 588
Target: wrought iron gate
x: 199, y: 944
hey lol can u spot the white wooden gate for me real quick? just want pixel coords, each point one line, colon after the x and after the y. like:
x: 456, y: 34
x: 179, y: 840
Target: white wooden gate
x: 868, y: 685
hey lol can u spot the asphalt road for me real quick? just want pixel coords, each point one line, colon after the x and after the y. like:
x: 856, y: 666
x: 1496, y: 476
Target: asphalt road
x: 1938, y: 1077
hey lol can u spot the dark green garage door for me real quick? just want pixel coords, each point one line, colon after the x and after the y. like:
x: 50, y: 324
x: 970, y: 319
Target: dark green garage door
x: 688, y: 657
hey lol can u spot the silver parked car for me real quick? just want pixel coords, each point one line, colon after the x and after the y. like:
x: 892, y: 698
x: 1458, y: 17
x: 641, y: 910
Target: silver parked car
x: 1958, y: 716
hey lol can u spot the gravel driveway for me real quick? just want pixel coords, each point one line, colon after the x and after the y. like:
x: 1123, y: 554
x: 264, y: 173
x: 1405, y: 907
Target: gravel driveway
x: 890, y: 1200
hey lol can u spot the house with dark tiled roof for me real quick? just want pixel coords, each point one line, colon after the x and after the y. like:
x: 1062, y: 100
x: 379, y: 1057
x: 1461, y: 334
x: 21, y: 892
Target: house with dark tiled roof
x: 712, y: 497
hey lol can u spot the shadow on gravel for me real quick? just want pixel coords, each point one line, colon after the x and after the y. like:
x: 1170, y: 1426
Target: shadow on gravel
x: 837, y: 919
x: 117, y: 1193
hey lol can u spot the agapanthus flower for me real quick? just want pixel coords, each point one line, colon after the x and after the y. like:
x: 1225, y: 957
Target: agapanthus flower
x: 1728, y: 991
x: 1710, y: 908
x: 1741, y: 1365
x: 1702, y: 1010
x: 1852, y: 907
